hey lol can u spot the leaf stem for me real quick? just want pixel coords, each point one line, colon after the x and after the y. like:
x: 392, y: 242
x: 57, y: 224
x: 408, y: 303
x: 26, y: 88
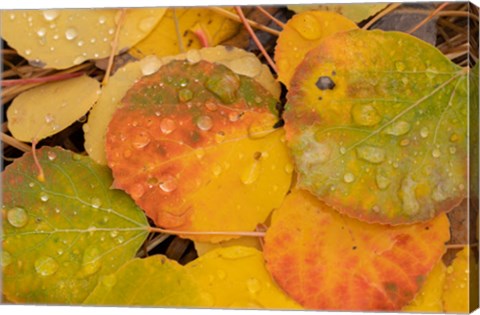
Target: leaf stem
x: 271, y: 17
x: 255, y: 38
x: 380, y: 15
x: 15, y: 143
x: 428, y: 18
x: 233, y: 233
x: 114, y: 45
x: 41, y: 174
x: 254, y: 24
x: 51, y: 78
x: 181, y: 47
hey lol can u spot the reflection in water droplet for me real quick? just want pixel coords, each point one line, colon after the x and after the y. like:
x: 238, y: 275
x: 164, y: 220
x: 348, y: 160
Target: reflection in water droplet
x: 46, y: 266
x: 71, y: 33
x: 6, y: 258
x: 44, y: 196
x: 41, y: 32
x: 12, y: 16
x: 96, y: 202
x: 204, y: 123
x: 436, y: 153
x: 251, y: 173
x: 91, y: 262
x: 168, y: 183
x: 365, y: 115
x: 348, y: 177
x: 398, y: 128
x: 424, y: 132
x: 141, y: 140
x: 253, y: 285
x: 371, y: 154
x: 17, y: 217
x: 50, y: 15
x: 51, y: 155
x: 235, y: 116
x: 167, y: 126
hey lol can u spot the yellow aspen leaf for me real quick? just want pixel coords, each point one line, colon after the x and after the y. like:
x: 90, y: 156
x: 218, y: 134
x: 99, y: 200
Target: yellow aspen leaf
x: 63, y: 38
x: 189, y: 133
x: 51, y: 107
x: 327, y: 261
x: 429, y: 298
x: 204, y: 247
x: 215, y: 27
x: 302, y: 33
x: 461, y: 283
x: 236, y: 277
x: 153, y: 281
x: 238, y: 60
x: 357, y: 12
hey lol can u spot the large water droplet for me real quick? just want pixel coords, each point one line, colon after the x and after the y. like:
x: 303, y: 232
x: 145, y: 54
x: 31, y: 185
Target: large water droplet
x: 44, y: 196
x: 91, y: 262
x: 251, y: 173
x: 424, y: 132
x: 436, y: 153
x: 409, y: 199
x: 46, y: 266
x: 141, y: 140
x: 71, y: 33
x: 150, y: 65
x: 307, y: 26
x: 167, y: 125
x: 398, y: 128
x: 348, y: 178
x: 253, y: 285
x: 17, y: 217
x: 204, y: 123
x: 371, y: 154
x: 6, y: 258
x: 50, y: 15
x: 365, y: 115
x: 168, y: 183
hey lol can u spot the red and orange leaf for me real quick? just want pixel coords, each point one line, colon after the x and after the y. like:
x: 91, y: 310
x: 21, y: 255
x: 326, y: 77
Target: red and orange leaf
x: 379, y: 131
x: 302, y: 33
x: 327, y: 261
x: 195, y: 146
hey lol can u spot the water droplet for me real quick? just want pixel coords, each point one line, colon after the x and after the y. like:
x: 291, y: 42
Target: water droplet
x: 398, y: 128
x: 78, y: 60
x: 436, y: 153
x: 200, y: 153
x: 424, y: 132
x: 400, y: 66
x: 31, y: 184
x: 46, y: 266
x: 224, y: 86
x: 96, y: 202
x: 137, y: 191
x: 50, y: 15
x: 150, y: 65
x: 382, y: 181
x: 120, y: 239
x: 41, y: 32
x: 51, y: 155
x: 147, y: 23
x: 408, y: 196
x: 348, y: 177
x: 371, y: 154
x: 6, y: 258
x: 204, y: 123
x: 235, y: 116
x: 17, y: 217
x: 216, y: 169
x: 404, y: 142
x: 12, y: 16
x: 452, y: 149
x: 365, y: 115
x: 57, y: 210
x: 167, y: 125
x: 343, y: 150
x: 185, y: 95
x: 454, y: 137
x: 49, y: 118
x: 113, y: 233
x: 449, y: 269
x: 109, y: 281
x: 251, y: 173
x: 91, y: 262
x: 44, y: 196
x: 71, y: 33
x: 80, y: 43
x: 102, y: 20
x: 289, y: 168
x: 141, y: 140
x: 253, y: 285
x: 168, y: 183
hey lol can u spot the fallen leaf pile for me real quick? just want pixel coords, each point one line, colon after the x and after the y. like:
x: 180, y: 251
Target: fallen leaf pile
x: 330, y: 191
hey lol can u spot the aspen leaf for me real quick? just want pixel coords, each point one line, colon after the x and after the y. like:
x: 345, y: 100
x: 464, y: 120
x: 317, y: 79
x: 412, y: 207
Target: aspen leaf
x: 63, y: 38
x: 153, y: 281
x: 357, y: 12
x: 49, y: 108
x: 327, y: 261
x: 302, y: 33
x: 236, y: 277
x: 189, y: 133
x: 378, y: 131
x: 61, y: 235
x: 215, y: 27
x: 204, y: 247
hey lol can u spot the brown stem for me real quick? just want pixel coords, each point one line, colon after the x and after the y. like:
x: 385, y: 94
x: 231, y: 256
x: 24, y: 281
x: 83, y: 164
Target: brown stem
x: 15, y: 143
x: 114, y: 45
x: 51, y: 78
x: 255, y: 38
x: 428, y: 18
x: 41, y: 174
x: 380, y: 15
x: 235, y: 17
x: 271, y: 17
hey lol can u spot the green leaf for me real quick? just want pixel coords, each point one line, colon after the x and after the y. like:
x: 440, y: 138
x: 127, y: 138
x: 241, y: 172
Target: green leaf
x: 379, y: 133
x: 154, y: 281
x: 60, y: 235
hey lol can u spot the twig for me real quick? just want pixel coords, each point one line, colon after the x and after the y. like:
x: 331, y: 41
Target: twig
x: 177, y: 31
x: 55, y: 77
x: 235, y: 17
x: 114, y: 45
x: 428, y: 18
x: 380, y: 15
x: 15, y: 143
x: 41, y: 174
x: 255, y: 38
x: 271, y: 17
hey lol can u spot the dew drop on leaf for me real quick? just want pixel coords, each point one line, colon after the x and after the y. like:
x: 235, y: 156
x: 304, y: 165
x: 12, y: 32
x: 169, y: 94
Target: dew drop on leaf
x: 46, y: 266
x: 71, y: 33
x: 371, y: 154
x: 436, y: 153
x: 424, y: 132
x: 348, y: 177
x: 50, y: 15
x: 168, y: 183
x: 51, y: 155
x: 365, y: 115
x: 251, y: 173
x: 96, y: 202
x: 204, y: 123
x: 91, y: 262
x: 44, y: 196
x: 167, y: 125
x: 398, y: 128
x: 17, y: 217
